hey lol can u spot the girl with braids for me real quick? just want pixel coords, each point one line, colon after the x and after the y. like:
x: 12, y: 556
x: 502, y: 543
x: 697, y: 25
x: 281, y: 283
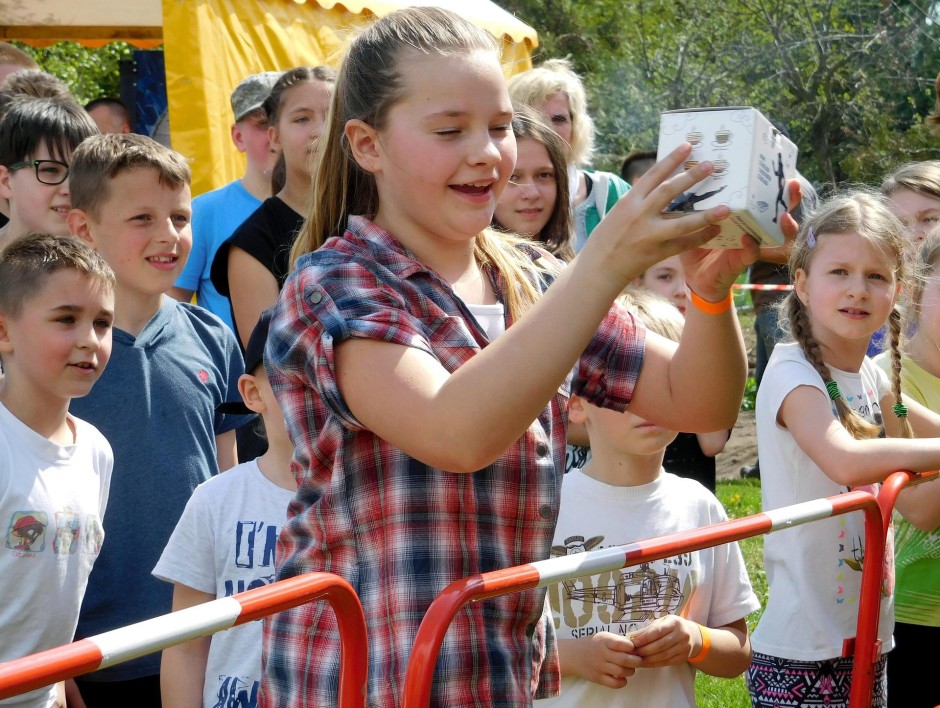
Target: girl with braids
x: 415, y: 354
x: 821, y: 410
x: 917, y: 538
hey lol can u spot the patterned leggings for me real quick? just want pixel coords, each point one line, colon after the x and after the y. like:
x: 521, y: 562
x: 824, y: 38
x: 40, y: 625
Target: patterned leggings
x: 777, y: 683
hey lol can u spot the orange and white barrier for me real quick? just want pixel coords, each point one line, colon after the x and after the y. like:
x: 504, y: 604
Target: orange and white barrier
x: 864, y: 647
x: 110, y: 648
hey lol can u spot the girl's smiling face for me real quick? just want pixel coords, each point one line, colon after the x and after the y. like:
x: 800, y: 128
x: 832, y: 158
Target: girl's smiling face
x: 529, y: 198
x: 445, y: 151
x: 849, y: 289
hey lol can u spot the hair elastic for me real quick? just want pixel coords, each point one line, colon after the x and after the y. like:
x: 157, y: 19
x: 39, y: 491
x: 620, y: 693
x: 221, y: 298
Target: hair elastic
x: 710, y: 308
x: 900, y: 410
x: 706, y: 646
x: 811, y: 238
x: 833, y: 388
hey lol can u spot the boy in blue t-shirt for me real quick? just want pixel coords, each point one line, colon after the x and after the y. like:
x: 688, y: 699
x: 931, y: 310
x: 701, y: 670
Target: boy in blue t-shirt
x: 172, y: 365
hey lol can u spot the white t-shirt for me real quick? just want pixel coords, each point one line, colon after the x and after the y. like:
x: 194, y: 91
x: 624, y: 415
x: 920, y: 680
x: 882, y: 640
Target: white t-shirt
x: 813, y: 570
x: 710, y: 586
x: 52, y: 500
x: 224, y: 544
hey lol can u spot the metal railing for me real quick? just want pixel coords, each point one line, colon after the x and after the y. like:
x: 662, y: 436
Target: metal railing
x: 103, y: 650
x: 865, y: 647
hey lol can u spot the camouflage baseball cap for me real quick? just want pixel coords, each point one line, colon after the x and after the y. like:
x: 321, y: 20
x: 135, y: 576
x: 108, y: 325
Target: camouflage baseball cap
x: 250, y: 93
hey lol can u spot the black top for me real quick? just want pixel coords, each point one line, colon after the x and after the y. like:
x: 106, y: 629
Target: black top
x: 267, y: 236
x: 684, y: 458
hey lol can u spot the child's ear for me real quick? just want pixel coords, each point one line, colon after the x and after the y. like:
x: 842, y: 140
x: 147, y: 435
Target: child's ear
x: 5, y: 190
x: 6, y: 344
x: 364, y: 143
x: 576, y: 412
x: 274, y: 139
x: 237, y: 137
x: 248, y: 388
x: 78, y: 226
x: 799, y: 285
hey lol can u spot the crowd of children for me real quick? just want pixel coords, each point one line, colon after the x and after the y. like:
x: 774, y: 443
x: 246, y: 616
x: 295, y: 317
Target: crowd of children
x: 362, y: 313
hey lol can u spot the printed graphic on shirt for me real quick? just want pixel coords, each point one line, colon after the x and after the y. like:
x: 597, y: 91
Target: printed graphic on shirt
x: 235, y: 692
x: 621, y: 601
x: 27, y: 532
x: 67, y: 527
x: 92, y: 536
x: 255, y: 543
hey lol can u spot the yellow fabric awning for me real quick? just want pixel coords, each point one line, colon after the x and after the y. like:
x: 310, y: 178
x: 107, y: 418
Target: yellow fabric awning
x: 211, y: 45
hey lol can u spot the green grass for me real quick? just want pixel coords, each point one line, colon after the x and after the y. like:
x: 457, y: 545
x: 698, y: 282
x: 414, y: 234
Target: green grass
x: 741, y: 497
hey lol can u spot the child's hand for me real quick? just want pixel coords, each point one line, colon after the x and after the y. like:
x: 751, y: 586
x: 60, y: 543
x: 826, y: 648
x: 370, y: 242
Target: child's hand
x: 711, y: 272
x: 635, y: 233
x: 669, y: 641
x: 603, y: 658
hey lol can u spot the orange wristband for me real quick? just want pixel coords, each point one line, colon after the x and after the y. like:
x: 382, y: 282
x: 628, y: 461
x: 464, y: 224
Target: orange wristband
x: 711, y: 308
x: 706, y: 646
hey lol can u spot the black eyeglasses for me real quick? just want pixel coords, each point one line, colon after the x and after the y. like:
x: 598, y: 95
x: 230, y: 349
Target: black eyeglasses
x: 47, y: 171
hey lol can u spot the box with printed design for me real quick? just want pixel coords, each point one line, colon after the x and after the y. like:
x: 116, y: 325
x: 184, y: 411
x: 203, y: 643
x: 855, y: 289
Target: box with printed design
x: 753, y: 163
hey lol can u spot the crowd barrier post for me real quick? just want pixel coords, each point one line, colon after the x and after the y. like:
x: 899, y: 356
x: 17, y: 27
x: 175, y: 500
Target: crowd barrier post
x: 866, y: 638
x: 110, y: 648
x: 430, y: 636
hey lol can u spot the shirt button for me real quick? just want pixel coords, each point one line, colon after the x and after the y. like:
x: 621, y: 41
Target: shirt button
x: 545, y: 511
x: 541, y: 449
x: 316, y: 297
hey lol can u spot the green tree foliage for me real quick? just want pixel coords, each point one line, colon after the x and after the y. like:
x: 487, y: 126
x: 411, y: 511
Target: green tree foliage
x: 851, y: 80
x: 89, y: 73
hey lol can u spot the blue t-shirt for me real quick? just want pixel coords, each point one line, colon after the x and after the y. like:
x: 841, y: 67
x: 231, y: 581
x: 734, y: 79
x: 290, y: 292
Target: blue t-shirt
x: 156, y: 404
x: 216, y: 215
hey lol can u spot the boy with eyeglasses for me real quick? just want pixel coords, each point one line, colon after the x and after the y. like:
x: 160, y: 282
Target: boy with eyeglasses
x: 37, y: 137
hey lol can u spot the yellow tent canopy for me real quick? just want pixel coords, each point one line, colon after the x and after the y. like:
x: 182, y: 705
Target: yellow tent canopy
x: 211, y: 45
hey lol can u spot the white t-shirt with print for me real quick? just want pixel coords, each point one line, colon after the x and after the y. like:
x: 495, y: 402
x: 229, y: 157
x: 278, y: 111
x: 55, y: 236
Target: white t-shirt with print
x: 813, y: 570
x: 224, y: 544
x: 710, y: 586
x: 52, y: 500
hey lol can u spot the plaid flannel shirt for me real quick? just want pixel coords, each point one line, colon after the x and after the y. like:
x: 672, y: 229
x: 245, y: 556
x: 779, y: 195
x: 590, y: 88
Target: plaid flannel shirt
x: 398, y: 530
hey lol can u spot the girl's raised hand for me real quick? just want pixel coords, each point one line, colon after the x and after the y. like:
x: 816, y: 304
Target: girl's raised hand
x: 635, y: 233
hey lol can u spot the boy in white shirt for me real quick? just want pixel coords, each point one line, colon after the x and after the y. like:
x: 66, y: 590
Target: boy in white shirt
x: 224, y: 544
x: 56, y: 308
x: 635, y: 637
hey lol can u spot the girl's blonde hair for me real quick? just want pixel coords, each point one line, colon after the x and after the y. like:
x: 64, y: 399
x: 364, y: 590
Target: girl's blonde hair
x: 553, y: 77
x: 928, y: 257
x: 921, y: 177
x: 865, y: 213
x: 369, y: 83
x: 654, y: 311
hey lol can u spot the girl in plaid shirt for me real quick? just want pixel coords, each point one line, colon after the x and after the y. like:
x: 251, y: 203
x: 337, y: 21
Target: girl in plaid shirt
x: 430, y: 443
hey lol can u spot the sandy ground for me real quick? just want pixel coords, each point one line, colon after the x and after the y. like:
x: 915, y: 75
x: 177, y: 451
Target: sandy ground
x: 741, y: 448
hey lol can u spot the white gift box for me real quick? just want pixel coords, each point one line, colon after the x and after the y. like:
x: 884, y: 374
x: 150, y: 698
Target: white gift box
x: 753, y: 163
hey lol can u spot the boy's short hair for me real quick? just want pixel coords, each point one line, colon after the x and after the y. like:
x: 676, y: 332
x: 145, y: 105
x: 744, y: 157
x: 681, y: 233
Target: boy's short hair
x: 27, y: 263
x: 101, y: 158
x: 654, y: 311
x: 32, y: 83
x: 59, y: 124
